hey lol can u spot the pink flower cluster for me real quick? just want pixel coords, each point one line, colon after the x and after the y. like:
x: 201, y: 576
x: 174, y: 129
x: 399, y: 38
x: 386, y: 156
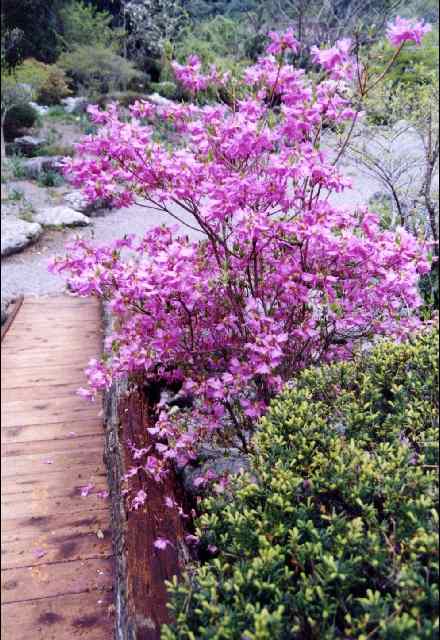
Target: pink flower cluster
x: 282, y: 279
x: 192, y: 78
x: 402, y: 30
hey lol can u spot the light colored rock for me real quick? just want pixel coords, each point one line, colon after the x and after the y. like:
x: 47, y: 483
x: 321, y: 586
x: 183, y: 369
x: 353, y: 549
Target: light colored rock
x: 40, y: 109
x: 155, y: 98
x: 78, y: 201
x: 221, y: 461
x: 18, y: 234
x: 61, y: 217
x: 76, y: 104
x: 34, y: 167
x: 28, y: 145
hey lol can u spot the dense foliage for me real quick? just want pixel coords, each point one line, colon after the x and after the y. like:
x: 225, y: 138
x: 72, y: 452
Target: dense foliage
x: 281, y: 278
x: 335, y: 532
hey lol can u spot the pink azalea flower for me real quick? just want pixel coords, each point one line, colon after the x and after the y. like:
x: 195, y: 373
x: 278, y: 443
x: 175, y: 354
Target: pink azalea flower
x: 403, y: 30
x: 162, y: 544
x: 85, y: 491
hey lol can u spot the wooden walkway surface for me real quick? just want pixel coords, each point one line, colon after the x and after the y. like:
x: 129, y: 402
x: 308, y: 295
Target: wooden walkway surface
x: 55, y: 544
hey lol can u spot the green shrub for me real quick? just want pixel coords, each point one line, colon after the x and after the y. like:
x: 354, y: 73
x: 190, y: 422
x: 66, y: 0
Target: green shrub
x: 54, y: 88
x: 18, y: 118
x: 169, y: 90
x: 50, y: 179
x: 124, y: 98
x: 97, y: 69
x: 335, y: 536
x: 57, y: 150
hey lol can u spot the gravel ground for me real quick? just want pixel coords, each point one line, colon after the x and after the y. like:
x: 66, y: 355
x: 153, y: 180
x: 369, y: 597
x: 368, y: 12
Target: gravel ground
x: 26, y: 273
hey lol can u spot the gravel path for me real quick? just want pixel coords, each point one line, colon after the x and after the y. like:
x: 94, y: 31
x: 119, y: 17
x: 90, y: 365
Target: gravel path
x: 26, y: 273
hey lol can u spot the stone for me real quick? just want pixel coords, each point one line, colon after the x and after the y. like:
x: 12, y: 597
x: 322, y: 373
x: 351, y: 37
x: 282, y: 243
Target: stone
x: 78, y: 201
x: 40, y: 109
x: 73, y: 105
x: 61, y: 216
x: 34, y: 167
x: 220, y: 461
x: 28, y: 145
x: 155, y: 98
x: 18, y: 234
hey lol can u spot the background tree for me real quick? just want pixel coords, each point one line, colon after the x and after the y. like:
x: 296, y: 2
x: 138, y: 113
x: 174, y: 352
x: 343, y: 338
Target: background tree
x: 40, y: 22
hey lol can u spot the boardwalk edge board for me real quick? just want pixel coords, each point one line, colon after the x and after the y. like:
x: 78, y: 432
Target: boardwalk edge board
x: 140, y: 571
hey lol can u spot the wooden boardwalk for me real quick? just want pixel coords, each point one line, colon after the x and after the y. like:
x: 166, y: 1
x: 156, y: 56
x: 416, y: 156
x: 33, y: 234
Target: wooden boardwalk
x: 55, y: 543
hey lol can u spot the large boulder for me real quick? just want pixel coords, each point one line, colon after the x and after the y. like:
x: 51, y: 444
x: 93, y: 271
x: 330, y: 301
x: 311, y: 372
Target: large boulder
x: 40, y: 109
x: 34, y: 167
x: 76, y: 104
x: 28, y: 145
x: 17, y: 234
x: 61, y: 216
x: 78, y: 201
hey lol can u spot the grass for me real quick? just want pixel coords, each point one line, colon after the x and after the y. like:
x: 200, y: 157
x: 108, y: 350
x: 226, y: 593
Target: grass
x: 50, y: 179
x: 15, y: 163
x: 15, y: 195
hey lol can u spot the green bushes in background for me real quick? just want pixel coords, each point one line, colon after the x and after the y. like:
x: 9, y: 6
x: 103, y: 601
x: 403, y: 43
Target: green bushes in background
x: 336, y: 534
x: 19, y: 118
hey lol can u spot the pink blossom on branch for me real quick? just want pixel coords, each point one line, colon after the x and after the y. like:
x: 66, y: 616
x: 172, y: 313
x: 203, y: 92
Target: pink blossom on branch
x: 281, y: 280
x: 402, y: 30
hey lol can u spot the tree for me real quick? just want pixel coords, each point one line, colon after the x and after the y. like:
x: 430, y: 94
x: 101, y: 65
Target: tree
x: 13, y: 93
x: 83, y: 24
x: 153, y: 23
x: 97, y: 69
x: 39, y: 22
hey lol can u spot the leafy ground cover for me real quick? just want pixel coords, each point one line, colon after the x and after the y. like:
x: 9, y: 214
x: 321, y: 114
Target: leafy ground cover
x: 334, y: 534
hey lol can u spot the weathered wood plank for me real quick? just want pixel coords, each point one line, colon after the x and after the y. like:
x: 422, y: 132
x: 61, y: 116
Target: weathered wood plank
x: 59, y: 524
x: 146, y: 568
x: 56, y: 544
x: 30, y: 377
x: 85, y: 616
x: 54, y: 431
x: 45, y: 581
x: 48, y: 548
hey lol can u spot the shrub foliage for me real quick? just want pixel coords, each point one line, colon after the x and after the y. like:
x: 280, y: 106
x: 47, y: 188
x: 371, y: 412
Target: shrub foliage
x: 335, y: 535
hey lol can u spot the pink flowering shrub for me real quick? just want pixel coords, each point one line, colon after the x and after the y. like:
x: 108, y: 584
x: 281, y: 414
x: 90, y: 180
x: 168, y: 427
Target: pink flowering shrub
x: 281, y: 280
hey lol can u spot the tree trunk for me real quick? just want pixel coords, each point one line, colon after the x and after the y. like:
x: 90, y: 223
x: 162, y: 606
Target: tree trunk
x: 3, y: 145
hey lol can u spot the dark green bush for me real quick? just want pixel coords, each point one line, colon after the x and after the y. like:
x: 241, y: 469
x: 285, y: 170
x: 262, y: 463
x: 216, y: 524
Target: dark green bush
x: 19, y: 118
x: 169, y: 90
x: 336, y: 535
x: 124, y: 98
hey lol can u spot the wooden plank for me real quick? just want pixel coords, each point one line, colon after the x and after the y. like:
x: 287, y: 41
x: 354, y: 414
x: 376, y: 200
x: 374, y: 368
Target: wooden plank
x: 41, y: 393
x: 67, y: 403
x: 55, y: 484
x: 16, y: 306
x: 79, y: 357
x: 34, y: 376
x: 32, y: 464
x: 85, y: 616
x: 52, y: 432
x: 57, y: 524
x: 47, y: 417
x: 42, y: 503
x: 56, y: 552
x: 147, y: 570
x: 48, y: 548
x: 39, y: 346
x: 43, y: 447
x: 45, y: 581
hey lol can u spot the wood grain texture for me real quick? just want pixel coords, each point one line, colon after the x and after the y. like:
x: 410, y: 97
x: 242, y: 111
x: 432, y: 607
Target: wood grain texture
x: 57, y: 564
x: 146, y: 568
